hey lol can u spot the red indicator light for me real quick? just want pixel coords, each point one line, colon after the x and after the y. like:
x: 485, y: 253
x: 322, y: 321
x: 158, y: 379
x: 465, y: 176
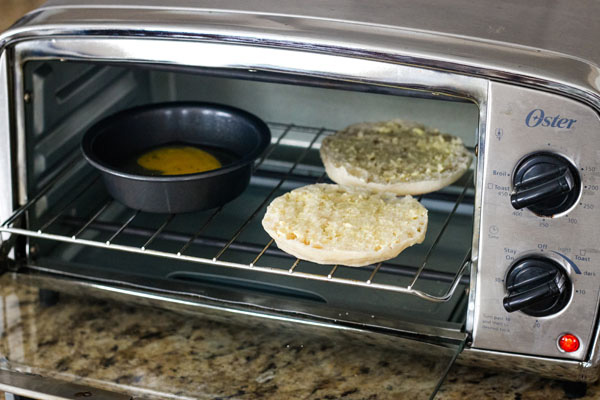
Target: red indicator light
x: 568, y: 343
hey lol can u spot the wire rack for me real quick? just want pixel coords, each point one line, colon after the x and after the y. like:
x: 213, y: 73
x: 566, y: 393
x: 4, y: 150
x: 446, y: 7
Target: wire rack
x: 282, y: 135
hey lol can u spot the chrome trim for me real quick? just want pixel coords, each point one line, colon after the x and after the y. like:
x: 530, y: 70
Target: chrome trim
x: 44, y: 388
x: 156, y: 51
x: 592, y: 367
x: 502, y: 61
x: 548, y: 367
x: 479, y: 178
x: 525, y: 24
x: 6, y: 200
x: 19, y: 132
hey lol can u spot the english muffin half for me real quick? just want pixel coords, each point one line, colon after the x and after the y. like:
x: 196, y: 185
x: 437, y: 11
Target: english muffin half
x: 332, y: 224
x: 394, y: 156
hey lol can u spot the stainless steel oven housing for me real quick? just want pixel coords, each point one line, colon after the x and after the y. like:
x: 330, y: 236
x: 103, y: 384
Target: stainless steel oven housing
x: 498, y: 61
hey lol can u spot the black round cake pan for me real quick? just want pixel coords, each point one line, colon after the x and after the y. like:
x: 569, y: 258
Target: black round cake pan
x: 112, y: 141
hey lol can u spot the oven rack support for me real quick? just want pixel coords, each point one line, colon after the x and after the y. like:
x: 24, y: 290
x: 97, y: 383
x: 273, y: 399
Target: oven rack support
x: 12, y: 226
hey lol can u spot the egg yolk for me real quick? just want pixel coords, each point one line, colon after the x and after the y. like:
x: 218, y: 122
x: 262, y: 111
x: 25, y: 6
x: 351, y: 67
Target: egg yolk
x: 178, y: 160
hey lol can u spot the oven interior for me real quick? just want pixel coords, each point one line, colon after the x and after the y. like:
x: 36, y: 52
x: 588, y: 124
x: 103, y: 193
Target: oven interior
x: 69, y: 226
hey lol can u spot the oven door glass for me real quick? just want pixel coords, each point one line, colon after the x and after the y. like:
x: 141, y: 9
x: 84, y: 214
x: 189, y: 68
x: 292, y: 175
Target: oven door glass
x: 136, y: 349
x: 270, y: 322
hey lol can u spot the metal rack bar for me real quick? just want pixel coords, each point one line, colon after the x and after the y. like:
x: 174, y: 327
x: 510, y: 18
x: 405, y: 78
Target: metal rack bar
x: 199, y: 232
x: 294, y: 265
x: 117, y: 229
x: 370, y: 280
x: 122, y: 228
x: 271, y: 149
x: 272, y: 240
x: 330, y: 275
x: 286, y: 130
x: 201, y: 260
x: 266, y: 200
x: 321, y: 178
x: 93, y: 218
x: 299, y: 128
x: 262, y: 252
x: 61, y: 175
x: 466, y: 262
x: 70, y: 203
x: 441, y: 232
x: 387, y: 267
x: 158, y: 231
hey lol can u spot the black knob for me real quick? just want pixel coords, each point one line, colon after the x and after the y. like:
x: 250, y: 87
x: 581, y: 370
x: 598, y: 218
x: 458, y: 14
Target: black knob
x: 545, y: 183
x: 537, y: 286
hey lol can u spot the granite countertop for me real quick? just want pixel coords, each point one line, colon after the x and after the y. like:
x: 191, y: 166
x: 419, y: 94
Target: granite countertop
x: 162, y: 354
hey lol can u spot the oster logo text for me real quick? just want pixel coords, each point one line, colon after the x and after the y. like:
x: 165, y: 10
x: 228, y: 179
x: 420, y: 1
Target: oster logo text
x: 538, y: 117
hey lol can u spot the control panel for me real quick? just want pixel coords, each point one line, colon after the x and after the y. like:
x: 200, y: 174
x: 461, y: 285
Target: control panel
x: 538, y: 269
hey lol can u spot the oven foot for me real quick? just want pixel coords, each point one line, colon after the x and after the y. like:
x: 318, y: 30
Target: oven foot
x: 47, y: 297
x: 574, y: 390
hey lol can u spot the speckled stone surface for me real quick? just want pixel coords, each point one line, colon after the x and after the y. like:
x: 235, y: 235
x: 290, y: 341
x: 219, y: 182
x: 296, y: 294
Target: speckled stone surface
x: 161, y: 354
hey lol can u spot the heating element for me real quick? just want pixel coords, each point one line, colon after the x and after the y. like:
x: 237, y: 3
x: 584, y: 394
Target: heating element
x: 101, y: 229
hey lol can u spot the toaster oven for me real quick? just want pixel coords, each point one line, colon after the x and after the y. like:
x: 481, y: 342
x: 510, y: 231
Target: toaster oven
x: 506, y: 276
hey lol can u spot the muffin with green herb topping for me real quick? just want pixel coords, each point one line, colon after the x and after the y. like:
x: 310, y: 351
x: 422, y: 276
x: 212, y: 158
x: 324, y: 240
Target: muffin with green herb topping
x: 394, y: 156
